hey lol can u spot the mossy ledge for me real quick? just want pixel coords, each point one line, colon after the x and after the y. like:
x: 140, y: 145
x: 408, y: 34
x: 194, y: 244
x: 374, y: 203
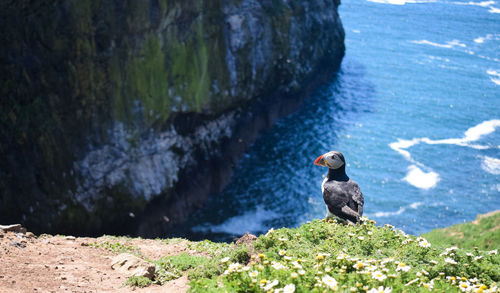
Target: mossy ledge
x: 107, y: 105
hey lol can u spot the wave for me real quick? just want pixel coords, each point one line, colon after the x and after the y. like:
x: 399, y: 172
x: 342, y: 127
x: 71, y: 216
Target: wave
x: 496, y: 76
x: 448, y: 45
x: 491, y: 165
x: 425, y: 180
x: 401, y: 210
x: 401, y: 2
x: 488, y: 37
x: 482, y: 3
x: 252, y: 222
x: 421, y: 179
x: 494, y: 10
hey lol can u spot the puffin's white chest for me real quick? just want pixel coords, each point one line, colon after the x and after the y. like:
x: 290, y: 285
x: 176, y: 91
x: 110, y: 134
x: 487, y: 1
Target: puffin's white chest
x: 323, y: 185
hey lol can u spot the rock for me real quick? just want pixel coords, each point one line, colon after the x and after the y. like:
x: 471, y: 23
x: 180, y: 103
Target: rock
x: 133, y: 266
x: 70, y: 238
x: 246, y: 239
x: 17, y: 244
x: 30, y: 235
x: 17, y: 228
x: 177, y: 85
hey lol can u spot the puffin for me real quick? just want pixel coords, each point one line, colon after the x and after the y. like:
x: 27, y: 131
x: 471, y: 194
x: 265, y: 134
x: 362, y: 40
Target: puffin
x: 342, y: 196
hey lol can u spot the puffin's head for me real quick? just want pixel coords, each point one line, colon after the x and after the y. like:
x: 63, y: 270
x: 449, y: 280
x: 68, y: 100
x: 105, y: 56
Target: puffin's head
x: 332, y: 160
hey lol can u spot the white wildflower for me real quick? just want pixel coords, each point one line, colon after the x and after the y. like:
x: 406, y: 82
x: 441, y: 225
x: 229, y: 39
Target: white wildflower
x: 387, y: 260
x: 424, y: 243
x: 450, y: 261
x: 342, y: 256
x: 329, y: 282
x: 403, y: 267
x: 283, y: 239
x: 226, y: 259
x: 233, y: 267
x: 290, y: 288
x: 429, y: 285
x: 464, y: 286
x: 296, y: 265
x: 493, y: 252
x: 301, y: 272
x: 278, y: 266
x: 380, y: 289
x: 269, y: 286
x: 361, y: 238
x: 478, y: 257
x: 371, y: 268
x: 359, y: 265
x: 377, y: 275
x: 282, y: 252
x: 253, y: 274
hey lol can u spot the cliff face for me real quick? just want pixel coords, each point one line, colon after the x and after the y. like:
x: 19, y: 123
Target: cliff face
x: 122, y: 116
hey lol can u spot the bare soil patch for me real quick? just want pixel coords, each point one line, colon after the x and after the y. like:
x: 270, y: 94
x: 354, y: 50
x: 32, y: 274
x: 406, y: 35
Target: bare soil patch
x: 73, y: 264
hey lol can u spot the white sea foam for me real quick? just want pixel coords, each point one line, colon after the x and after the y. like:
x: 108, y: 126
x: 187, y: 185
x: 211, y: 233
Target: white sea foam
x: 482, y: 3
x: 421, y: 179
x: 448, y: 45
x: 491, y: 165
x: 494, y: 10
x: 401, y: 2
x: 479, y: 40
x: 252, y: 221
x: 401, y: 210
x: 495, y: 76
x: 428, y: 179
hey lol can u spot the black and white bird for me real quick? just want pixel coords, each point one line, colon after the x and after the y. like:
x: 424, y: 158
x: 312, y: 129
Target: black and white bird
x: 342, y: 196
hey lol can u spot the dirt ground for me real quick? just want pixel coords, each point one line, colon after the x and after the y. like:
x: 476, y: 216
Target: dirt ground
x: 71, y: 264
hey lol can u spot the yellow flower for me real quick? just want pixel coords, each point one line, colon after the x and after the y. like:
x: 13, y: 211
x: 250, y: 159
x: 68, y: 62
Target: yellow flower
x: 359, y: 265
x: 261, y: 255
x: 403, y: 267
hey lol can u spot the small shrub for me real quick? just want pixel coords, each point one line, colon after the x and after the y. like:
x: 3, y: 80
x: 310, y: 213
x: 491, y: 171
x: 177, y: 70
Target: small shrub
x: 138, y: 281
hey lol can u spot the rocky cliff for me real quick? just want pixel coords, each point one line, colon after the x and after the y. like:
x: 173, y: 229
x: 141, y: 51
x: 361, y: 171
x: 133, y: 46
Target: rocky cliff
x: 123, y: 116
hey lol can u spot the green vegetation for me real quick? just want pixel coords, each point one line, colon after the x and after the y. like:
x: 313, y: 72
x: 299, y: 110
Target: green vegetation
x: 115, y: 245
x: 326, y: 256
x: 483, y: 233
x: 140, y: 282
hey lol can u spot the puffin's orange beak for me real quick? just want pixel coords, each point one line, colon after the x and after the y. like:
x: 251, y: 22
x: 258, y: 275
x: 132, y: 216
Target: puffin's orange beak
x: 320, y: 161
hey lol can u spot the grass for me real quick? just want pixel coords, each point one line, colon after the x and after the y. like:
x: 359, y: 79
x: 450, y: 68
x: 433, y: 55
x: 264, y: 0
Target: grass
x: 483, y: 233
x: 117, y: 245
x: 326, y: 256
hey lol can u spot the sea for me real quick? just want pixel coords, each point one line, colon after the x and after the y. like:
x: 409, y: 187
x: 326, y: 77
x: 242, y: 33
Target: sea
x: 415, y: 109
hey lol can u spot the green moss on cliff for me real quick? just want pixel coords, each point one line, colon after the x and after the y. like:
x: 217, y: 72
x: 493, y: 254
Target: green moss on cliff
x: 147, y: 82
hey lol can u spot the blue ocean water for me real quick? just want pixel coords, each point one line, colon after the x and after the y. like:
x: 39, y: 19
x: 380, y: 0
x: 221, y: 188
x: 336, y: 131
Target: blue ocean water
x: 415, y: 109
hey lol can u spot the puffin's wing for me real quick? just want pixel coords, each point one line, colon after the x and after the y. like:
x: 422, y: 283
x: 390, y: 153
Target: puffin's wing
x: 334, y: 195
x: 357, y: 196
